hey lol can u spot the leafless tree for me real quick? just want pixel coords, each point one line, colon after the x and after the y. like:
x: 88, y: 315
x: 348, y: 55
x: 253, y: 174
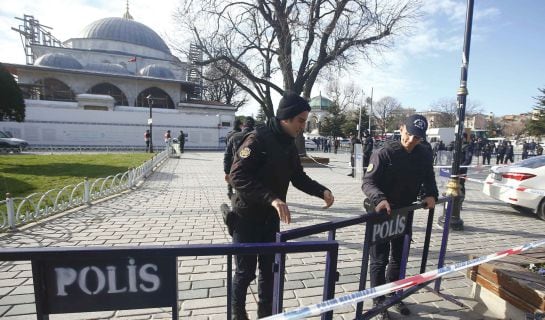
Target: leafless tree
x: 266, y: 40
x: 386, y: 112
x: 219, y: 87
x: 447, y: 110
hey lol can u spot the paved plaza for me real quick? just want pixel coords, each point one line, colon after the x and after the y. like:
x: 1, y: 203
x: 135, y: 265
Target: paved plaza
x: 179, y: 204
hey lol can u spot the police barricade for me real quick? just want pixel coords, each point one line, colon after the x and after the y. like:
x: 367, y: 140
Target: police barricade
x: 68, y: 280
x: 379, y: 228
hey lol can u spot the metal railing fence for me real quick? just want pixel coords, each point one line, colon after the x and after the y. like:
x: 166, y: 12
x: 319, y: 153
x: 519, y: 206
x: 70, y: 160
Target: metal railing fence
x: 56, y: 289
x: 16, y: 211
x: 370, y: 219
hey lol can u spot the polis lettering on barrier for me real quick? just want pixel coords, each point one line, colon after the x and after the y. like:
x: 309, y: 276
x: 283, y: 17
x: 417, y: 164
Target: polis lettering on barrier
x: 143, y: 278
x: 389, y: 228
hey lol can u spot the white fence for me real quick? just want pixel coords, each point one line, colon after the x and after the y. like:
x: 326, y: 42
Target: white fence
x: 18, y: 211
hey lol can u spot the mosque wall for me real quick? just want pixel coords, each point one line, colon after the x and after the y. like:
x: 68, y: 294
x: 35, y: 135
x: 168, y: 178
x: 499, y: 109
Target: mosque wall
x: 53, y: 123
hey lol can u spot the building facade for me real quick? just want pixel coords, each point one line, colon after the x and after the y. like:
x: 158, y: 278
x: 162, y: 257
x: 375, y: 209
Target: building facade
x: 104, y: 86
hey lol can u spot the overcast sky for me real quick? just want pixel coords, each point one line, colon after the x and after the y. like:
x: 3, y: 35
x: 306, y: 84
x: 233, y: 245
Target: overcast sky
x: 506, y: 64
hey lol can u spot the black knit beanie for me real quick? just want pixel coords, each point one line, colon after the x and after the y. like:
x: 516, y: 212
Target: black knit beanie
x: 291, y: 105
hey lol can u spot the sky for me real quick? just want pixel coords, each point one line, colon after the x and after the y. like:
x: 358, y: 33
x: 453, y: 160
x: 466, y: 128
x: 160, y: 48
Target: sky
x: 506, y: 64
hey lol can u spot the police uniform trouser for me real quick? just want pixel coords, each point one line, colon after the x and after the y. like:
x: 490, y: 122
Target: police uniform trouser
x: 380, y: 258
x: 246, y: 231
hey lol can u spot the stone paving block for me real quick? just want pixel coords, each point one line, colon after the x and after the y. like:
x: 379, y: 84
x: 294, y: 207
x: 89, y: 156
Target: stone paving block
x: 22, y: 309
x: 196, y: 303
x: 186, y: 295
x: 207, y: 284
x: 17, y: 299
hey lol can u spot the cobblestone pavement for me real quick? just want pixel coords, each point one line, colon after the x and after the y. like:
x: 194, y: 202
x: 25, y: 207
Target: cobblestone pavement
x: 179, y: 204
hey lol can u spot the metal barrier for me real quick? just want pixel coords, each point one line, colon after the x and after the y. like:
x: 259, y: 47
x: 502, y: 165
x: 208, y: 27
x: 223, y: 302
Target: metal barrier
x: 376, y: 223
x: 20, y: 210
x: 89, y: 279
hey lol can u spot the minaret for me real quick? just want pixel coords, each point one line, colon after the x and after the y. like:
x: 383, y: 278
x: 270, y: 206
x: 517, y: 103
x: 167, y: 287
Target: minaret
x: 127, y: 15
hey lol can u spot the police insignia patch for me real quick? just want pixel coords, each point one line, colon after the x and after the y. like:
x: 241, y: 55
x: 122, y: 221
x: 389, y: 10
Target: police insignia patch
x: 370, y: 167
x: 245, y: 152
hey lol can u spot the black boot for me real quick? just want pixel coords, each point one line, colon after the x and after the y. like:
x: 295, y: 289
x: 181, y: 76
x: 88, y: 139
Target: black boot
x: 264, y: 310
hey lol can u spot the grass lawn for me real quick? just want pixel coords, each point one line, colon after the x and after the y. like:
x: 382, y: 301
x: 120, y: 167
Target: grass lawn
x: 22, y: 175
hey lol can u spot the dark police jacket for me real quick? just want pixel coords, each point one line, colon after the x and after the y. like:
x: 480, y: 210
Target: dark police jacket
x: 397, y: 176
x: 266, y: 162
x: 232, y: 147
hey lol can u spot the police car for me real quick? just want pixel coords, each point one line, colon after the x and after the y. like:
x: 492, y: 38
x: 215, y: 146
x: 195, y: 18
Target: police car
x: 508, y: 184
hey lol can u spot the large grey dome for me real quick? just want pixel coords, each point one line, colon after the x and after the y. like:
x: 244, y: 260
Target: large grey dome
x: 121, y: 29
x: 107, y: 68
x: 156, y: 71
x: 58, y: 60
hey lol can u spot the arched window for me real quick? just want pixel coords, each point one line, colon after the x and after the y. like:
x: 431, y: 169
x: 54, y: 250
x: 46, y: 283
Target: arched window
x: 53, y: 89
x: 161, y: 99
x: 111, y: 90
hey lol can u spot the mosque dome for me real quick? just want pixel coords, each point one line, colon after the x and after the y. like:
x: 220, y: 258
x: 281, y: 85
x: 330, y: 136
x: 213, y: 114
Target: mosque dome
x: 320, y: 103
x: 107, y: 68
x: 156, y: 71
x: 58, y: 60
x: 125, y: 30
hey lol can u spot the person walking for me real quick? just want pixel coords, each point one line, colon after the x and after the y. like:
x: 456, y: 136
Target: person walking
x: 367, y: 149
x: 236, y: 128
x: 264, y: 165
x: 231, y: 150
x: 394, y: 179
x: 147, y: 137
x: 509, y: 153
x: 181, y: 141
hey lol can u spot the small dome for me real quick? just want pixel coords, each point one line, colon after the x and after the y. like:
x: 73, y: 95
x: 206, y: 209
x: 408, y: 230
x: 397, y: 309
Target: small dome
x: 58, y: 60
x: 107, y: 68
x: 320, y: 103
x: 156, y: 71
x: 126, y: 30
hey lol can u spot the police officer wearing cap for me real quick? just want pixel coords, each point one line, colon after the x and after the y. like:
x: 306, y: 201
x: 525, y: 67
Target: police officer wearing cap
x: 265, y: 164
x: 394, y: 178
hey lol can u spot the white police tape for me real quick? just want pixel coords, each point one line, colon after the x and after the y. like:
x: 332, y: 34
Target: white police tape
x: 406, y: 283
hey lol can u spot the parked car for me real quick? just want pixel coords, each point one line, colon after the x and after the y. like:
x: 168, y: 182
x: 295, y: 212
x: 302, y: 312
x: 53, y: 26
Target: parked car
x: 8, y: 143
x: 310, y: 145
x: 506, y: 183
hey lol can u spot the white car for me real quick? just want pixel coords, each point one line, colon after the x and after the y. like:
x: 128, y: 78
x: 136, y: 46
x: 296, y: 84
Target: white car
x: 506, y: 183
x: 310, y: 145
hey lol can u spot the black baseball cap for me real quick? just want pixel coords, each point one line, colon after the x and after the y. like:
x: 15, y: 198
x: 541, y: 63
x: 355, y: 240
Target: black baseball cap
x: 416, y: 125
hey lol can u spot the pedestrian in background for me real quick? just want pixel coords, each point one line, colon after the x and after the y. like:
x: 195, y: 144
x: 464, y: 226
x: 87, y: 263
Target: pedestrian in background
x: 264, y: 165
x: 181, y: 141
x: 367, y: 141
x: 147, y: 140
x: 236, y: 128
x: 231, y: 150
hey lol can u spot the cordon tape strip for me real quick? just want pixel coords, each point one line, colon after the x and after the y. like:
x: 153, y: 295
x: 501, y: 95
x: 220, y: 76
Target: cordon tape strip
x: 406, y: 283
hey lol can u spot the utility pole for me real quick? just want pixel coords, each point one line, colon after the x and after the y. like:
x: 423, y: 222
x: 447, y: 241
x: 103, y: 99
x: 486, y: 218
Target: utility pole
x: 453, y: 187
x: 370, y: 111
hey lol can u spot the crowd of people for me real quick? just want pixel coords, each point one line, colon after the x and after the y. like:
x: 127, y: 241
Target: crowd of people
x: 484, y: 150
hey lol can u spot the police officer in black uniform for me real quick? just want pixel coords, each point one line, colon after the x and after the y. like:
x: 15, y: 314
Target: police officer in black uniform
x: 367, y: 148
x: 394, y: 178
x: 232, y: 147
x: 265, y: 163
x: 236, y: 128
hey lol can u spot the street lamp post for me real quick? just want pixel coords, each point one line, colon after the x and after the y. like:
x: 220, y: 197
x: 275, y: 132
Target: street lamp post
x: 453, y: 187
x: 150, y: 122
